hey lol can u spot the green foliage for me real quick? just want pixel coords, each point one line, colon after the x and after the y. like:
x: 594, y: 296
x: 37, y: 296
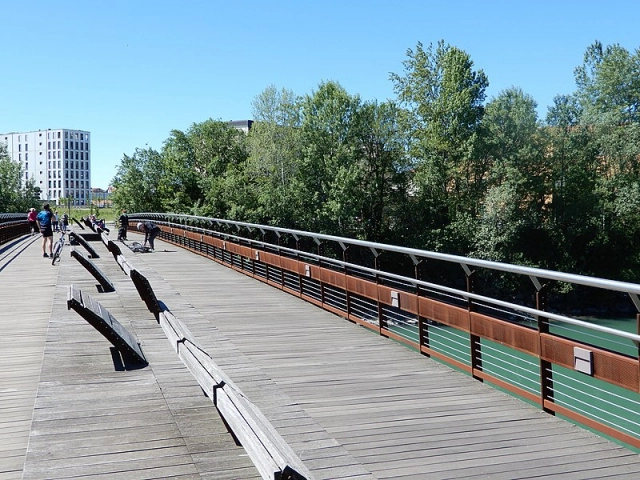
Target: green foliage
x: 443, y: 97
x: 14, y: 197
x: 438, y: 168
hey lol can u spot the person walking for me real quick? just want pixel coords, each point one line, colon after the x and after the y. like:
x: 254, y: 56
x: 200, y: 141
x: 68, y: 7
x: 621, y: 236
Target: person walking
x: 55, y: 222
x: 65, y: 222
x: 151, y: 231
x: 31, y: 218
x: 44, y: 219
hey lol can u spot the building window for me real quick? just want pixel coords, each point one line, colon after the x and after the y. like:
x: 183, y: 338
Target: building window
x: 26, y: 157
x: 58, y: 144
x: 58, y: 137
x: 19, y: 147
x: 26, y: 147
x: 49, y: 145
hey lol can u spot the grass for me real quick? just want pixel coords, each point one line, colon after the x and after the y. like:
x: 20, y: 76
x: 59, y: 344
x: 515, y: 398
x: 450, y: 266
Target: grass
x: 108, y: 213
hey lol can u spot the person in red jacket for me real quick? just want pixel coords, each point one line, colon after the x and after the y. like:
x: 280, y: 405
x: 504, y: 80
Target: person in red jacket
x: 31, y: 218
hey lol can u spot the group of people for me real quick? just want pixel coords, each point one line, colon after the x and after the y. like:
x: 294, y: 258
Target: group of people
x: 43, y: 222
x: 47, y: 221
x: 58, y: 223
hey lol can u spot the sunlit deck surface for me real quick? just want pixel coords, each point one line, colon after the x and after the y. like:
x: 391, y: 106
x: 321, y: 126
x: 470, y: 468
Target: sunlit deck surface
x: 349, y: 403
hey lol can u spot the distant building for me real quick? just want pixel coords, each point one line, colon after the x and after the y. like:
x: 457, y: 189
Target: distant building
x: 101, y: 198
x: 244, y: 125
x: 58, y: 161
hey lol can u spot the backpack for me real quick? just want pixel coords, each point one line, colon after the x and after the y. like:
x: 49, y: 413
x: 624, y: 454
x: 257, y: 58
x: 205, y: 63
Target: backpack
x: 44, y: 218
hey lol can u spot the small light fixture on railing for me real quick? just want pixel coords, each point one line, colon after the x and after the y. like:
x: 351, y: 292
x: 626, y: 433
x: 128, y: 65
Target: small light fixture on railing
x: 583, y: 360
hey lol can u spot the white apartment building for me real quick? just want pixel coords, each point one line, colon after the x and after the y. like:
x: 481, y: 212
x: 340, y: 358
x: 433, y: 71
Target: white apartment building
x: 57, y: 160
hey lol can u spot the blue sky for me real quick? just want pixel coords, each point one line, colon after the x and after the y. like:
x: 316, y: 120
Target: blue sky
x: 130, y: 71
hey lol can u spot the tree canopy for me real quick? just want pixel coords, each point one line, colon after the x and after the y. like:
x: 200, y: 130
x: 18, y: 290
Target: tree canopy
x: 439, y: 167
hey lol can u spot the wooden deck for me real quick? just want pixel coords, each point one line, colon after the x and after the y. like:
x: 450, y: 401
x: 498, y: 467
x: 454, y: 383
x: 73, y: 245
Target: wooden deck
x: 349, y: 403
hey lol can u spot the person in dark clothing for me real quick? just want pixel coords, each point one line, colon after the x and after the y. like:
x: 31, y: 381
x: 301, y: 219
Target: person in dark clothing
x: 151, y: 231
x: 124, y: 225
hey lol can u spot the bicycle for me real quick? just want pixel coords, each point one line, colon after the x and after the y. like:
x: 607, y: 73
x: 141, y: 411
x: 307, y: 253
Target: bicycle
x: 57, y: 249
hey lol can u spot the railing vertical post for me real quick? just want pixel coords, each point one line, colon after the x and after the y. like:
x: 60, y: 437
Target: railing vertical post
x: 638, y: 343
x: 347, y: 293
x: 546, y: 375
x: 475, y: 344
x: 423, y: 326
x: 376, y: 266
x: 320, y: 255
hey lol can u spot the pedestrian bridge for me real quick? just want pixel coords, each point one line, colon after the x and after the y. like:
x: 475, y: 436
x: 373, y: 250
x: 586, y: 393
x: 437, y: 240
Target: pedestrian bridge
x: 344, y: 359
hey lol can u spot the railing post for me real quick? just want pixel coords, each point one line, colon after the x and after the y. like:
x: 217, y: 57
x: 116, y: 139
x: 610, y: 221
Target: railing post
x: 546, y: 375
x: 376, y: 266
x: 347, y: 293
x: 320, y: 255
x: 475, y: 344
x: 638, y: 343
x: 423, y: 326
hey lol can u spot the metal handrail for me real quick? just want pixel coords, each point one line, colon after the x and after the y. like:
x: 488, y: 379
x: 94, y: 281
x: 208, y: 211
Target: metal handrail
x: 626, y: 287
x: 529, y: 271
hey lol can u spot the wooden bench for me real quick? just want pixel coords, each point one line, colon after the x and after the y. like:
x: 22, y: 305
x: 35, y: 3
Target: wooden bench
x: 269, y: 452
x: 74, y: 237
x: 105, y: 283
x: 98, y: 317
x: 145, y: 291
x: 88, y: 223
x: 75, y: 220
x: 114, y: 249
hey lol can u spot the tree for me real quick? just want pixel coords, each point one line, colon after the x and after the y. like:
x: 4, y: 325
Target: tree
x: 443, y: 97
x: 375, y: 184
x: 608, y: 89
x: 220, y: 154
x: 274, y: 145
x: 9, y: 183
x: 516, y: 210
x: 182, y: 174
x: 138, y: 181
x: 327, y: 159
x: 608, y: 84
